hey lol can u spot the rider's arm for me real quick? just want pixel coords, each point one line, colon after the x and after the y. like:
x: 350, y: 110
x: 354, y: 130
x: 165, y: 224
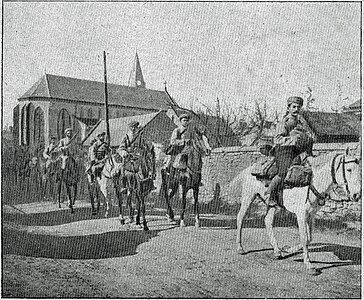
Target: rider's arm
x: 281, y: 135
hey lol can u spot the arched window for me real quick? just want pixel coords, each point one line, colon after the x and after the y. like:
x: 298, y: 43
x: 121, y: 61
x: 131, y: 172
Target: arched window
x: 29, y: 123
x: 81, y: 112
x: 124, y: 114
x: 38, y: 136
x: 118, y: 114
x: 100, y: 114
x: 22, y: 124
x: 64, y: 121
x: 89, y: 113
x: 16, y: 116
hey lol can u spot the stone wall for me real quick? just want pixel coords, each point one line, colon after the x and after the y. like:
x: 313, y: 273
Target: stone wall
x: 225, y: 164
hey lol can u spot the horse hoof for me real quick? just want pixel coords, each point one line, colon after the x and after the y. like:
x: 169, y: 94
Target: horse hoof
x: 197, y: 225
x: 145, y: 228
x: 277, y: 256
x: 94, y: 212
x: 182, y: 224
x: 313, y: 271
x: 286, y: 249
x: 122, y: 221
x: 242, y: 252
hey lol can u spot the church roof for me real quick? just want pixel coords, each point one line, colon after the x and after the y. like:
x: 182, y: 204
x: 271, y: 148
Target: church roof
x: 60, y: 87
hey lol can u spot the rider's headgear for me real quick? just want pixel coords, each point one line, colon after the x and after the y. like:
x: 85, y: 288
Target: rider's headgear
x: 294, y: 99
x: 101, y: 133
x: 133, y: 124
x: 67, y: 129
x: 184, y: 116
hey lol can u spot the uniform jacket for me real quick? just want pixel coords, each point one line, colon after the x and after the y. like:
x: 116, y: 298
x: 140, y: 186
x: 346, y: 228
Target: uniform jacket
x: 126, y: 143
x: 289, y: 129
x: 67, y: 147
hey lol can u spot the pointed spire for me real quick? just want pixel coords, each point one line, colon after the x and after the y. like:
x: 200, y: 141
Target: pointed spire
x: 136, y: 76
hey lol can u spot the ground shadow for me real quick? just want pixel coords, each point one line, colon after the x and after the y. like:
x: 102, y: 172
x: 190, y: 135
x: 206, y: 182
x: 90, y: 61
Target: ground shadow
x: 348, y: 255
x: 57, y: 217
x: 96, y: 246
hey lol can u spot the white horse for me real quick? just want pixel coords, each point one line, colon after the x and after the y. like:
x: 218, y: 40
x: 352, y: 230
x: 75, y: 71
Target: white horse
x: 339, y: 179
x: 107, y: 184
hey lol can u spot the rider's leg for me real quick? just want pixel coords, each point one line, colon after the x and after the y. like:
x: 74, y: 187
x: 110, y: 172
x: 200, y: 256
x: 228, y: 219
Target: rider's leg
x: 284, y: 158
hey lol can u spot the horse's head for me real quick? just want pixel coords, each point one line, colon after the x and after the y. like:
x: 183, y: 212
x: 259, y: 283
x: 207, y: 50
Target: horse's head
x: 346, y: 175
x: 200, y: 141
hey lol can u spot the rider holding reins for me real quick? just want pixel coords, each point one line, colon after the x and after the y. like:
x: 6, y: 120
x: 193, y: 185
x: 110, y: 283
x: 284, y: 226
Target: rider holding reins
x: 179, y: 140
x: 293, y: 137
x: 67, y: 146
x: 97, y: 156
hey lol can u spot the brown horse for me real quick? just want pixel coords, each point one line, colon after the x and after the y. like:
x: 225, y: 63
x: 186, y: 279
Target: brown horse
x: 69, y: 176
x: 172, y: 178
x: 137, y: 178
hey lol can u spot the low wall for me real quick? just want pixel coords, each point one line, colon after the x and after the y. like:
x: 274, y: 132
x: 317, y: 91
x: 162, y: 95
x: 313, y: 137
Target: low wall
x: 225, y: 164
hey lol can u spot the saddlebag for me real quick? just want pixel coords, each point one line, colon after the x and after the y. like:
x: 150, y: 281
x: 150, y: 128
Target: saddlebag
x: 265, y: 168
x: 298, y: 176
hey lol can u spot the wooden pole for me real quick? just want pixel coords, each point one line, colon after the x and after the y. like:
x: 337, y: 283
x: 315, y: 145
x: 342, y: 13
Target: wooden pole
x: 106, y: 103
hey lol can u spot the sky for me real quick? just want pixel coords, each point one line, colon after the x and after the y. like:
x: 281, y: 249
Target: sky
x: 238, y: 52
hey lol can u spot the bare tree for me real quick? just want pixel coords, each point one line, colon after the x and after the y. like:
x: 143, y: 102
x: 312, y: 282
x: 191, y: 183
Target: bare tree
x: 310, y: 100
x: 258, y: 119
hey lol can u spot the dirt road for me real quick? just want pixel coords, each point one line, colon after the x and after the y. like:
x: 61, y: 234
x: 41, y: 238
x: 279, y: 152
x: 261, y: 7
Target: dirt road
x: 53, y: 254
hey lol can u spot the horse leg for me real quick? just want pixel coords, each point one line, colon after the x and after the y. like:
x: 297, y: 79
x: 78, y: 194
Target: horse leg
x: 74, y: 193
x: 138, y: 207
x: 104, y: 188
x: 70, y: 203
x: 195, y: 206
x: 170, y: 213
x: 91, y: 187
x: 59, y: 193
x: 298, y: 247
x: 120, y: 196
x: 303, y: 224
x: 245, y: 204
x: 142, y: 209
x: 184, y: 193
x: 268, y: 220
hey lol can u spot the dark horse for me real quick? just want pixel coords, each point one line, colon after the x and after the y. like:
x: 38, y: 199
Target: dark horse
x: 172, y: 178
x: 70, y: 177
x: 137, y: 176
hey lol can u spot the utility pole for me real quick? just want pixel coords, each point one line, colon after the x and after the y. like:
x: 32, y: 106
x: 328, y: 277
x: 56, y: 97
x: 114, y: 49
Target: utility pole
x: 106, y: 103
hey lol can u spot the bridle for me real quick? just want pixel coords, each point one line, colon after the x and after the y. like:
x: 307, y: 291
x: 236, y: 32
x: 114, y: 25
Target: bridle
x: 336, y: 187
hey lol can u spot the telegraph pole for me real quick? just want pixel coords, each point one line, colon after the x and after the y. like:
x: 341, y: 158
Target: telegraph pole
x: 106, y: 103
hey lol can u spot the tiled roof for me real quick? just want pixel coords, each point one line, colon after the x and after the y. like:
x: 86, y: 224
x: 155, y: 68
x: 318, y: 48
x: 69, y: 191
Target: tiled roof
x: 333, y: 124
x: 60, y: 87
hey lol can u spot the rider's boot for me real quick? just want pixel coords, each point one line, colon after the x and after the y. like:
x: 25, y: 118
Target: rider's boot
x: 273, y: 190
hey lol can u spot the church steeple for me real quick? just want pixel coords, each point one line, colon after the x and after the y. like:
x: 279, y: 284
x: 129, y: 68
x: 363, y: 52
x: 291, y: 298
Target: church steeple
x: 136, y: 76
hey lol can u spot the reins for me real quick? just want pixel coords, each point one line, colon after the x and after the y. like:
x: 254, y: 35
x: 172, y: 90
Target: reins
x: 334, y: 184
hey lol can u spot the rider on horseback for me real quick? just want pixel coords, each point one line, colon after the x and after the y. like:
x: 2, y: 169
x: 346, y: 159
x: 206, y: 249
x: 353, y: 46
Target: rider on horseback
x: 293, y: 137
x: 67, y: 146
x: 176, y: 151
x: 125, y: 149
x: 49, y: 154
x: 97, y: 156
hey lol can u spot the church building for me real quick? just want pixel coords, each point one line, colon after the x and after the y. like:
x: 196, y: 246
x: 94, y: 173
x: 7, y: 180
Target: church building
x: 55, y: 102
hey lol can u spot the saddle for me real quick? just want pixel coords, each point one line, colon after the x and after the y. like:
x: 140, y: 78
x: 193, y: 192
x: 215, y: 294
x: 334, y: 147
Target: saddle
x: 298, y: 175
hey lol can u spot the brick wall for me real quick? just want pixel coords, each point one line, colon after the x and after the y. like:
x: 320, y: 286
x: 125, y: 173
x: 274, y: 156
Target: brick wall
x: 225, y: 164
